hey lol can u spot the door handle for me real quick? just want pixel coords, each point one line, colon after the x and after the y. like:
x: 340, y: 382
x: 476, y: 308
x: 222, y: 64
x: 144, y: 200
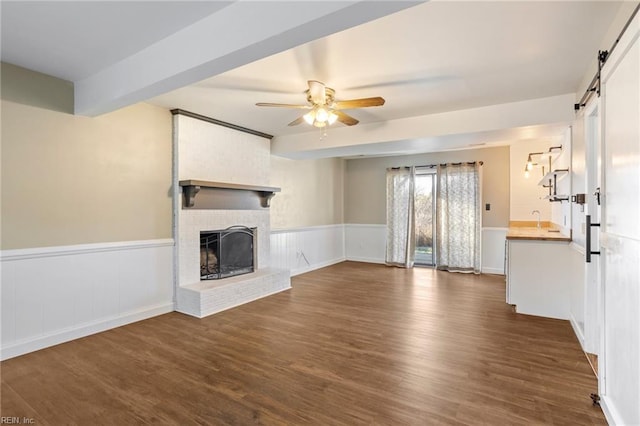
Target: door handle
x: 588, y: 251
x: 597, y: 195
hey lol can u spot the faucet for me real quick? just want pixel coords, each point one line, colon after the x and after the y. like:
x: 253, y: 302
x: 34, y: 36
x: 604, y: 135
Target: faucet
x: 537, y: 211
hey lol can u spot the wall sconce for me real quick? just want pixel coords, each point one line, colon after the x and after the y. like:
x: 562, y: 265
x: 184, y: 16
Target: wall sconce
x: 550, y: 153
x: 530, y: 163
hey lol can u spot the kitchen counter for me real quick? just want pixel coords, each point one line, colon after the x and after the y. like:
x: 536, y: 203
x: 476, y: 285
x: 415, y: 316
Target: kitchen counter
x: 534, y: 233
x: 538, y: 276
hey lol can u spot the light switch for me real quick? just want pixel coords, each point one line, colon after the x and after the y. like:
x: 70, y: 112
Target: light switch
x: 487, y: 207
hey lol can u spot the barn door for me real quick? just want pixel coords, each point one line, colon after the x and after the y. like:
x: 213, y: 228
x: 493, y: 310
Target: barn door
x: 620, y: 231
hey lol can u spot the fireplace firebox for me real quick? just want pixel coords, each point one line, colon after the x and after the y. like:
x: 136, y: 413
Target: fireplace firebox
x: 227, y: 252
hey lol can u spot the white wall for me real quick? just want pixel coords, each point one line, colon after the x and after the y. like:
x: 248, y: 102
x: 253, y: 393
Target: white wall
x: 578, y: 178
x: 561, y: 211
x: 493, y: 247
x: 526, y: 194
x: 365, y: 242
x: 211, y: 152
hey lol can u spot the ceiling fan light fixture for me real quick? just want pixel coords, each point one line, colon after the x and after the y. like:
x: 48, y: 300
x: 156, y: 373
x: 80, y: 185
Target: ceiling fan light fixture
x: 310, y: 117
x: 322, y: 115
x: 333, y: 117
x: 323, y: 109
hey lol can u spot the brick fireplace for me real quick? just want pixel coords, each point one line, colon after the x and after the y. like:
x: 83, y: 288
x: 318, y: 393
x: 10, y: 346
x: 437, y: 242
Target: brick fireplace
x: 232, y: 168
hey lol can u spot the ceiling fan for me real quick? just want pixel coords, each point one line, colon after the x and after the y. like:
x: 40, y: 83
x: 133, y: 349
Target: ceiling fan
x: 324, y: 109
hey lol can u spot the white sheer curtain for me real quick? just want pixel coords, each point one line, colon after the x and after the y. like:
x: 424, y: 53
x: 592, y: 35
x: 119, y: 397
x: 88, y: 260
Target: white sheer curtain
x: 400, y: 217
x: 458, y: 218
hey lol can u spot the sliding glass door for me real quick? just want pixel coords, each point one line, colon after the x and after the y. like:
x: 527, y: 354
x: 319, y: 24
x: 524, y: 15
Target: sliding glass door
x: 425, y: 216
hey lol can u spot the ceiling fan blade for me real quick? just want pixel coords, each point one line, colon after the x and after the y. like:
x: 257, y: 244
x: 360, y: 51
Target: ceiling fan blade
x: 317, y: 92
x: 346, y: 119
x: 268, y: 104
x: 360, y: 103
x: 297, y: 121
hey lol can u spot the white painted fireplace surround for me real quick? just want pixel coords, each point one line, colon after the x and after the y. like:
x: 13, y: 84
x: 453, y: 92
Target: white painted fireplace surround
x: 211, y: 152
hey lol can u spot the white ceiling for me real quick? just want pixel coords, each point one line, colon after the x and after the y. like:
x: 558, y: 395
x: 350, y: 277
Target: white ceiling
x: 425, y: 60
x: 431, y: 58
x: 74, y: 39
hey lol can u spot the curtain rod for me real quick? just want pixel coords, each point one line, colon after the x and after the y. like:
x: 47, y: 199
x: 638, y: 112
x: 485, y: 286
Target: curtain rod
x: 436, y: 165
x: 603, y: 55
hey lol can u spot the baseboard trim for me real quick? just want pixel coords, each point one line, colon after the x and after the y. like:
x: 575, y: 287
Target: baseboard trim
x: 494, y: 271
x: 65, y: 335
x: 315, y: 266
x: 577, y: 248
x: 610, y: 413
x: 365, y: 260
x: 38, y: 252
x: 576, y: 330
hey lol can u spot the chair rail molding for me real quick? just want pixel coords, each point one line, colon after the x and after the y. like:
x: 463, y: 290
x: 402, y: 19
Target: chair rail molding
x: 52, y: 295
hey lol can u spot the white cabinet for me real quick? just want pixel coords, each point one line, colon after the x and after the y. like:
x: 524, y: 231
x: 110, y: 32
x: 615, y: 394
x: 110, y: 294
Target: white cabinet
x: 539, y: 279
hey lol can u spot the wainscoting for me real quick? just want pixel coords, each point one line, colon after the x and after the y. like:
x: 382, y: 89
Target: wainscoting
x: 367, y: 242
x: 55, y: 294
x: 493, y: 240
x: 302, y: 250
x: 52, y: 295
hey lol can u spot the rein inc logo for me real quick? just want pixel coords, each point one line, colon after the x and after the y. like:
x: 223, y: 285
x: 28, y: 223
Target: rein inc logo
x: 5, y: 420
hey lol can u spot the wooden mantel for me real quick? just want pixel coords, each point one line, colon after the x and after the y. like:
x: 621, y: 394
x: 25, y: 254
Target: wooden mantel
x: 191, y: 187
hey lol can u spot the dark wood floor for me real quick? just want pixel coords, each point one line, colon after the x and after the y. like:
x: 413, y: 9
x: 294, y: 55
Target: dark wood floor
x: 350, y: 344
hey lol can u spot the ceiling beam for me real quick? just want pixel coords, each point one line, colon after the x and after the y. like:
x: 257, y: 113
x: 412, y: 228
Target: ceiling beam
x: 434, y: 132
x: 240, y: 33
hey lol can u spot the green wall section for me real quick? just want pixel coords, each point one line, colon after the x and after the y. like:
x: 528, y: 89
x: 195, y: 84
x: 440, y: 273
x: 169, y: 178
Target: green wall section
x: 68, y: 179
x: 27, y: 87
x: 365, y: 183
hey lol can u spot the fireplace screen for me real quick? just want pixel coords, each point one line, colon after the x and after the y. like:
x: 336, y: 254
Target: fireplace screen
x: 227, y: 252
